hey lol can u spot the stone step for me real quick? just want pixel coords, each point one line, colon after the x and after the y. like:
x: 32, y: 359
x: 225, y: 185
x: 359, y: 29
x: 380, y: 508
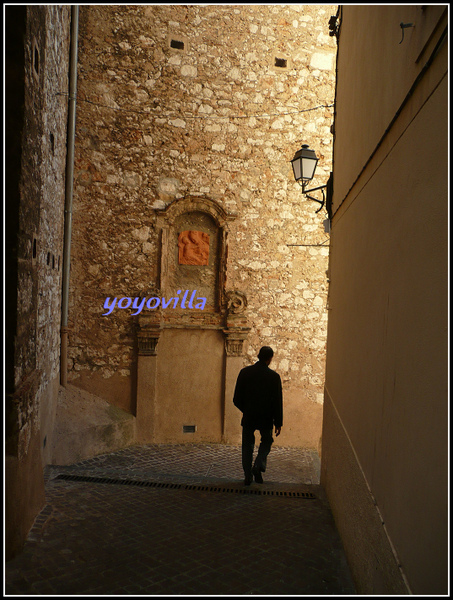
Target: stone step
x: 87, y: 426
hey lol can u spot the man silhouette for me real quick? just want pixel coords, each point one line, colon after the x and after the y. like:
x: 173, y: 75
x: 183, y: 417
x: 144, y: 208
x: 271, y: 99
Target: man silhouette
x: 258, y: 395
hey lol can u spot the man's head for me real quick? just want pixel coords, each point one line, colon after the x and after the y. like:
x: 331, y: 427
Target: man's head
x: 265, y: 354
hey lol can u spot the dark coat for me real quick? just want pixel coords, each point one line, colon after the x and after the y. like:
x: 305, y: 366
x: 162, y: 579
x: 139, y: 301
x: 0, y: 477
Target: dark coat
x: 258, y: 395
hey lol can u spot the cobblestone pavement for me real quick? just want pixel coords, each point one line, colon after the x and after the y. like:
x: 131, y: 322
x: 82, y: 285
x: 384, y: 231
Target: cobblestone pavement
x: 177, y: 520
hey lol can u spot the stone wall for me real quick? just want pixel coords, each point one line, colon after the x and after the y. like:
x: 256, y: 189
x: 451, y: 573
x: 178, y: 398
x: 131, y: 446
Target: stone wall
x: 51, y: 225
x: 37, y: 83
x: 208, y: 102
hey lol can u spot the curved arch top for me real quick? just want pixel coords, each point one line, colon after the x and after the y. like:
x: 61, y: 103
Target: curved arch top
x: 195, y: 204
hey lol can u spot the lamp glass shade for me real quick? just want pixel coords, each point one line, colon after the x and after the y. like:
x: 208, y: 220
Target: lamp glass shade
x: 304, y: 164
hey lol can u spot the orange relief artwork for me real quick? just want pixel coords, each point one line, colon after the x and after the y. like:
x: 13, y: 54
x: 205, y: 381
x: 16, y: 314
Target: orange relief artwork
x: 193, y: 248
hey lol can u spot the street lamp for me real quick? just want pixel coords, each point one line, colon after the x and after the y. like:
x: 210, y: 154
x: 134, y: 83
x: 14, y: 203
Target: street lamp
x: 304, y: 166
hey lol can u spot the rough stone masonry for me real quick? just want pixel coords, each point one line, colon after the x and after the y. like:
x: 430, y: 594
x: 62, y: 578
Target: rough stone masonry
x: 205, y: 101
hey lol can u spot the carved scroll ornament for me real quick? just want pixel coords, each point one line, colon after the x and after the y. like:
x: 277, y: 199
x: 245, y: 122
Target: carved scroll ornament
x: 237, y: 328
x: 236, y: 302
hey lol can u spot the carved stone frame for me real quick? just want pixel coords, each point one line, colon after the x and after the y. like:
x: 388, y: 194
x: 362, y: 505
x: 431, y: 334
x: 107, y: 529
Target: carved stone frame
x: 166, y: 218
x: 227, y: 315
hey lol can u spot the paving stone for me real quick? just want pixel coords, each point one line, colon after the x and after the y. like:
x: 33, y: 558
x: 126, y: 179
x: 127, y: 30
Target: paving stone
x: 109, y: 539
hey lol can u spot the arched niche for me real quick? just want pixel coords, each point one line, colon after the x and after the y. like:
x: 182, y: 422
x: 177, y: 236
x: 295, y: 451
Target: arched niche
x: 193, y: 250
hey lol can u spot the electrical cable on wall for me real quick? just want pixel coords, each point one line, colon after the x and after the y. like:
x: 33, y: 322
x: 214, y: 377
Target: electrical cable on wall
x: 148, y: 114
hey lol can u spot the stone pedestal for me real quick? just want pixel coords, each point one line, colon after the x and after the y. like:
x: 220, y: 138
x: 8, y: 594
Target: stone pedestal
x: 232, y: 430
x: 236, y: 333
x: 147, y: 337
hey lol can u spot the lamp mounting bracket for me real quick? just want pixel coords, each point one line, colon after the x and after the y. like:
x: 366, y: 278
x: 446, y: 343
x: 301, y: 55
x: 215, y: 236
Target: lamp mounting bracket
x: 403, y: 27
x: 321, y: 202
x: 320, y: 187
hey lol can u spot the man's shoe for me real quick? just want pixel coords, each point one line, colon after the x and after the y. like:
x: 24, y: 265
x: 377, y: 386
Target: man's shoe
x: 257, y: 474
x: 248, y: 480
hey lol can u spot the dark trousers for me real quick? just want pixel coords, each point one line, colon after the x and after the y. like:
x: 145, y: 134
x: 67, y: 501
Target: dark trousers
x: 248, y: 445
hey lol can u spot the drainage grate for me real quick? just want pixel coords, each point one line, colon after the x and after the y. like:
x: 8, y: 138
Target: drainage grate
x: 184, y: 486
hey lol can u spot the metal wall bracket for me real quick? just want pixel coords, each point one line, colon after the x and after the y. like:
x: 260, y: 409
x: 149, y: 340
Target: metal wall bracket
x: 403, y: 27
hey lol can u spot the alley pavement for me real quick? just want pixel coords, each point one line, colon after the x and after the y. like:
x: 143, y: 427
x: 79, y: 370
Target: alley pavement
x: 178, y: 520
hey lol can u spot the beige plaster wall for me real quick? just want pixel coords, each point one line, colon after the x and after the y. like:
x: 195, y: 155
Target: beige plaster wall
x: 386, y: 373
x: 190, y: 371
x: 377, y: 85
x: 360, y: 525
